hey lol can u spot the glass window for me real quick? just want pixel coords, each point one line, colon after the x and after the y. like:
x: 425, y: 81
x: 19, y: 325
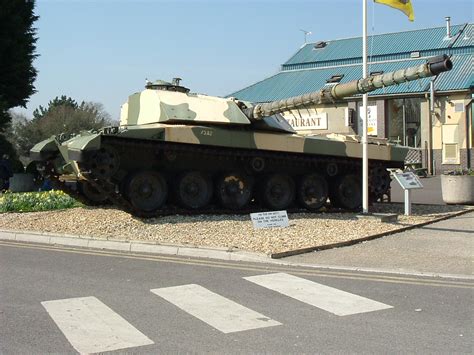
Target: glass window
x: 404, y: 121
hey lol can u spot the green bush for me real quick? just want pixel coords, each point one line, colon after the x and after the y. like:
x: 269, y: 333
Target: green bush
x: 460, y: 172
x: 36, y: 201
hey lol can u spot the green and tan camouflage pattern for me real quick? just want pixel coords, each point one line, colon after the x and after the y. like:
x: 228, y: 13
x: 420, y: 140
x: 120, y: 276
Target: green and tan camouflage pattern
x: 153, y: 106
x: 174, y: 116
x: 330, y: 144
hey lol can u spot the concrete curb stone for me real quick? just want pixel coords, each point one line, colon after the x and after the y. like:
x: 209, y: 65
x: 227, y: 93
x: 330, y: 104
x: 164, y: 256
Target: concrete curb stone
x: 130, y: 246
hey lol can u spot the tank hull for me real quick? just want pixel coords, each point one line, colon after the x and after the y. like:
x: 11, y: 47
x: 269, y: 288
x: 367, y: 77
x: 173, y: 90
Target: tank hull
x: 287, y: 169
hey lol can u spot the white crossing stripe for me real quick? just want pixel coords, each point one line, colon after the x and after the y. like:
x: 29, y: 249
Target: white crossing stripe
x: 219, y: 312
x: 330, y: 299
x: 92, y: 327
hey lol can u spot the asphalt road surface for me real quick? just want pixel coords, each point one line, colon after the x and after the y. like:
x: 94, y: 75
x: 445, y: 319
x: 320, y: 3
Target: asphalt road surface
x: 59, y: 300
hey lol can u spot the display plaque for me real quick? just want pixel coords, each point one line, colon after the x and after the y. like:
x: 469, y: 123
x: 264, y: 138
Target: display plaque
x: 270, y: 219
x: 408, y: 181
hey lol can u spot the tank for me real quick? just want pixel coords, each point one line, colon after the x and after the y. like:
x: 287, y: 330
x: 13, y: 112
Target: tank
x: 176, y: 151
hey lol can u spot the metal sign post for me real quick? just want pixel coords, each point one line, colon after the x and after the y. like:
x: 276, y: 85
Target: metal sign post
x: 407, y: 202
x: 408, y: 181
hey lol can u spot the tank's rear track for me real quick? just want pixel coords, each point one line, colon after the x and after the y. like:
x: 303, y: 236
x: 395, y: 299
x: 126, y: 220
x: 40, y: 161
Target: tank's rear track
x: 170, y: 158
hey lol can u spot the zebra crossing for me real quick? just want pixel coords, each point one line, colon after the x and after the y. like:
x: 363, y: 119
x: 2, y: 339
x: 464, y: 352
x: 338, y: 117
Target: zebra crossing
x: 330, y: 299
x: 91, y: 326
x: 221, y: 313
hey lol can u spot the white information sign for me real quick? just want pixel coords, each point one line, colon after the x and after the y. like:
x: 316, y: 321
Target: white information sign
x: 408, y: 181
x: 371, y: 120
x: 270, y: 219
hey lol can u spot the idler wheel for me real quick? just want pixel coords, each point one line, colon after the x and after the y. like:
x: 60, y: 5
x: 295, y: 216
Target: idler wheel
x: 91, y: 194
x: 147, y: 191
x: 234, y: 190
x: 347, y: 192
x: 104, y: 163
x: 312, y: 191
x: 193, y: 190
x: 278, y: 191
x: 379, y: 181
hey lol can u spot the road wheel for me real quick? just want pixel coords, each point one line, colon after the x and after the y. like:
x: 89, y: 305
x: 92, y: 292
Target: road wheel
x: 278, y: 191
x: 347, y: 192
x: 312, y: 191
x: 379, y: 182
x: 193, y: 190
x: 147, y: 191
x: 91, y: 194
x: 234, y: 190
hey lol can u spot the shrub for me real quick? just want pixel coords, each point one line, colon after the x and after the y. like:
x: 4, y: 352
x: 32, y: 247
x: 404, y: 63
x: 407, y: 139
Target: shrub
x: 36, y: 201
x: 460, y: 172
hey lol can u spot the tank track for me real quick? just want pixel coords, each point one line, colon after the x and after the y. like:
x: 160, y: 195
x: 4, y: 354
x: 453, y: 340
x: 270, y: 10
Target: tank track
x: 109, y: 187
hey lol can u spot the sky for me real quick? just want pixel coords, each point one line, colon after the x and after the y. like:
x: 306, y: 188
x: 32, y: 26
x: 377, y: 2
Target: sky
x: 103, y: 50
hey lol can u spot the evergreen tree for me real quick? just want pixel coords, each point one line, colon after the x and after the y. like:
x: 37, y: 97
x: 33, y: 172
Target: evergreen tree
x: 17, y: 52
x: 63, y: 101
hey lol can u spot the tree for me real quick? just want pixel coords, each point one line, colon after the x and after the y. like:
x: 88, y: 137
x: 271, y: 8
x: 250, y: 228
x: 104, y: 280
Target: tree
x: 17, y: 52
x: 64, y: 100
x: 62, y: 115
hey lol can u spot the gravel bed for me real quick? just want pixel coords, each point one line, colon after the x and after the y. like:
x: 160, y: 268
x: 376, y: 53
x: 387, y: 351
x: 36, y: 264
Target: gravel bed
x: 225, y: 231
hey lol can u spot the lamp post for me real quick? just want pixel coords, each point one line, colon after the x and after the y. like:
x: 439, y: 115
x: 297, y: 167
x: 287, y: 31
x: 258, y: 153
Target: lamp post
x: 365, y: 159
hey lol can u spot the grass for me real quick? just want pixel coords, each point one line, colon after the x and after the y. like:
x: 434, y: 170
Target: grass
x: 36, y: 201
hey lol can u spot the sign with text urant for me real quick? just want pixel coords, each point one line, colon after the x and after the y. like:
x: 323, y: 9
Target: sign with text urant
x: 307, y: 120
x: 270, y: 219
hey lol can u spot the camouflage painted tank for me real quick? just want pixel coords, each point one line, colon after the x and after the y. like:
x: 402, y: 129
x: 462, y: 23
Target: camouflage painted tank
x: 204, y: 153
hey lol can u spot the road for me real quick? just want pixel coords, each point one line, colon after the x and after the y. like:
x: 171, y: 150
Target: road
x: 59, y: 300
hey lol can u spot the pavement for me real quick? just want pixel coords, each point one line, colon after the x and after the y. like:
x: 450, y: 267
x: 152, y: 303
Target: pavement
x: 441, y: 249
x: 430, y: 194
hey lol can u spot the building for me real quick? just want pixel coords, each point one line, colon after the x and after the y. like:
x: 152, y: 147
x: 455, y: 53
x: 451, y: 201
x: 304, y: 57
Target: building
x: 440, y: 130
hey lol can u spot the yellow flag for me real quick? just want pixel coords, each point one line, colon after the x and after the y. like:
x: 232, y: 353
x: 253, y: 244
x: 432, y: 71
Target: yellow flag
x: 402, y: 5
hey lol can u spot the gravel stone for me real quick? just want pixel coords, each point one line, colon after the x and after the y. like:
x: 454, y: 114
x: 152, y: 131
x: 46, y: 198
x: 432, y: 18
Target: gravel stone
x: 224, y: 231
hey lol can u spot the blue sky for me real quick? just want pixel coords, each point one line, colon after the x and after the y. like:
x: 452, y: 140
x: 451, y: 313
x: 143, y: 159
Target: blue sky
x: 102, y: 50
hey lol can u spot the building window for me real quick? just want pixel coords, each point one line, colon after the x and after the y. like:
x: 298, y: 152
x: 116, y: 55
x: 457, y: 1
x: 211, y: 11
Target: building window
x: 450, y: 153
x: 450, y: 144
x: 335, y: 78
x: 404, y: 121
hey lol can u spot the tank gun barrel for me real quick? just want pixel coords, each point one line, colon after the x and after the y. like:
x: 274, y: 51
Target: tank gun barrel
x: 432, y: 67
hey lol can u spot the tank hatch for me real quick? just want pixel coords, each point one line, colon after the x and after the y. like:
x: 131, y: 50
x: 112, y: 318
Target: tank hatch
x: 166, y: 86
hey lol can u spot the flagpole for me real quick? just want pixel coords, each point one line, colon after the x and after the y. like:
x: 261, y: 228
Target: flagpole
x: 365, y: 160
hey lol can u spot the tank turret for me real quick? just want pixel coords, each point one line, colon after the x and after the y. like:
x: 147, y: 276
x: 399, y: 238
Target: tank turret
x: 434, y: 66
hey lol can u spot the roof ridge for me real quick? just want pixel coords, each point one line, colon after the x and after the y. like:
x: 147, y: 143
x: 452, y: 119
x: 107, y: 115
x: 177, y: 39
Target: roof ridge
x: 386, y: 33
